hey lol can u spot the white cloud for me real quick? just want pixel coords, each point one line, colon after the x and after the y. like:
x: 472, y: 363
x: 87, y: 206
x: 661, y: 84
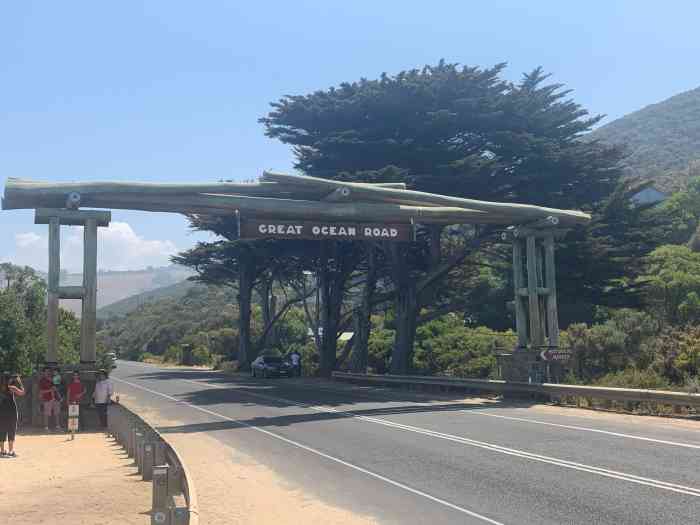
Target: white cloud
x: 119, y: 247
x: 23, y: 240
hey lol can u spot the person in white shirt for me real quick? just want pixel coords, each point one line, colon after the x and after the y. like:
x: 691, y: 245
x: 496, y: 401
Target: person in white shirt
x: 102, y: 396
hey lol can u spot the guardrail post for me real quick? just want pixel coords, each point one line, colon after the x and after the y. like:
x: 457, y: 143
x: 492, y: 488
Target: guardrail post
x: 140, y: 440
x: 179, y: 516
x: 160, y: 513
x: 174, y: 480
x: 147, y: 467
x: 130, y: 444
x: 159, y: 452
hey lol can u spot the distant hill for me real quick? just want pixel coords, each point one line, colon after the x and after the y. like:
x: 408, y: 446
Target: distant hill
x: 128, y: 305
x: 115, y: 286
x: 663, y: 139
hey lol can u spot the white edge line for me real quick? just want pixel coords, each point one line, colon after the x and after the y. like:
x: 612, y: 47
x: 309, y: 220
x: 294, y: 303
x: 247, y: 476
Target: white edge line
x: 321, y: 454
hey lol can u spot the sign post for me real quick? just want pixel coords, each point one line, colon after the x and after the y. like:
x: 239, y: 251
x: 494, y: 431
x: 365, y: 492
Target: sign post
x: 73, y: 419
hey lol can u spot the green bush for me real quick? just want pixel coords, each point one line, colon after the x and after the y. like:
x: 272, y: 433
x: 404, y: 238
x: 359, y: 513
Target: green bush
x: 173, y: 354
x: 201, y: 356
x: 446, y: 346
x: 633, y: 378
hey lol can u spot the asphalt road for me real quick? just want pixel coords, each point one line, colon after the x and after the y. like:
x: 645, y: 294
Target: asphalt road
x: 407, y: 459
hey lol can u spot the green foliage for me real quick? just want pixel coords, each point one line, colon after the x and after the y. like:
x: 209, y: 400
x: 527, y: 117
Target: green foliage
x: 634, y: 378
x: 672, y: 282
x: 23, y: 322
x: 68, y: 337
x: 450, y: 129
x: 173, y: 354
x: 612, y: 345
x: 445, y: 346
x: 201, y: 355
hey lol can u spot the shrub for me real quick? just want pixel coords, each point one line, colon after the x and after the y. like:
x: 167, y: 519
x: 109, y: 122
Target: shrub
x: 633, y: 378
x: 173, y: 354
x: 201, y: 355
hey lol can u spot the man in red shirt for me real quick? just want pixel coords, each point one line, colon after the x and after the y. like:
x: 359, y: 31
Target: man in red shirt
x: 49, y: 399
x: 76, y: 390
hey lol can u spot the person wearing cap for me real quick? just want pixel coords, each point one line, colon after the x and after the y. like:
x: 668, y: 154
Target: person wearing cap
x: 102, y: 396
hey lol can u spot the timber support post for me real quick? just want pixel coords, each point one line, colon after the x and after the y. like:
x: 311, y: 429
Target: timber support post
x: 535, y: 303
x: 90, y: 220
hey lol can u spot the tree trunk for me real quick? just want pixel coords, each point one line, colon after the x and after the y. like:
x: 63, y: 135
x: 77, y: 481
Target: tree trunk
x: 406, y: 307
x: 363, y: 325
x: 268, y: 303
x: 246, y: 278
x: 329, y: 318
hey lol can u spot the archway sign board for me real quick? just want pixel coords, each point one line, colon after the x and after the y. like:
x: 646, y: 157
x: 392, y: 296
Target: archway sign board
x: 314, y: 230
x: 298, y: 207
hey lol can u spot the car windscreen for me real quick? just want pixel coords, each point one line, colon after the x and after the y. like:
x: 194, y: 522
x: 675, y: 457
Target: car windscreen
x: 273, y: 360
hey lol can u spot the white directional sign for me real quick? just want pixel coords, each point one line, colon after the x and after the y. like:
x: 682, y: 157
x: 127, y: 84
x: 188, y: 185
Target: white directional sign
x: 555, y: 355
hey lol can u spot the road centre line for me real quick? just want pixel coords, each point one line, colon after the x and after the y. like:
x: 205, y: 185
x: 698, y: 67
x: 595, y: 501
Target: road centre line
x: 600, y: 471
x: 511, y: 418
x: 321, y: 454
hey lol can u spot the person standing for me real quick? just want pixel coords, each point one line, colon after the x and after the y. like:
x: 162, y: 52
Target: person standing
x: 10, y: 387
x: 49, y: 399
x: 102, y: 396
x: 75, y: 390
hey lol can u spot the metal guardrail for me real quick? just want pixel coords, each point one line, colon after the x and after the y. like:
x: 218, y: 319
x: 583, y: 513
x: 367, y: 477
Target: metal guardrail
x: 554, y: 391
x: 159, y: 462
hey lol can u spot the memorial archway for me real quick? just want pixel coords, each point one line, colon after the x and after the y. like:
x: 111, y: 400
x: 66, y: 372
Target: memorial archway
x: 297, y: 207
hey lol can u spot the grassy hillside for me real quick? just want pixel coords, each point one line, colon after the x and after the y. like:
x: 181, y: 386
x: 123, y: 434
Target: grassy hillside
x: 115, y: 286
x: 125, y: 306
x: 198, y: 316
x: 663, y: 139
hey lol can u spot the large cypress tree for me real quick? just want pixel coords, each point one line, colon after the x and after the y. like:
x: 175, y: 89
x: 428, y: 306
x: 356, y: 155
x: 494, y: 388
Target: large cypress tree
x: 454, y: 130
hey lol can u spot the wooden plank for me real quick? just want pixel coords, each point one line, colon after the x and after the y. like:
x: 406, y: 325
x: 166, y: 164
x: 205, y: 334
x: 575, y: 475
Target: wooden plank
x: 260, y: 208
x: 536, y: 335
x: 523, y: 292
x: 88, y: 321
x: 550, y: 275
x: 72, y: 217
x: 518, y: 282
x: 53, y: 283
x: 70, y: 292
x: 409, y: 197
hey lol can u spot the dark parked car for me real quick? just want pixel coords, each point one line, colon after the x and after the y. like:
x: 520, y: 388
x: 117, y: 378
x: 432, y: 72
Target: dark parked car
x: 270, y: 366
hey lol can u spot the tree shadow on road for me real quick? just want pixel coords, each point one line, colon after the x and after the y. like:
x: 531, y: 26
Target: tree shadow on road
x: 309, y: 400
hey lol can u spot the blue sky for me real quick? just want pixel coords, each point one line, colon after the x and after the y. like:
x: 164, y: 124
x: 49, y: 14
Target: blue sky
x: 172, y: 90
